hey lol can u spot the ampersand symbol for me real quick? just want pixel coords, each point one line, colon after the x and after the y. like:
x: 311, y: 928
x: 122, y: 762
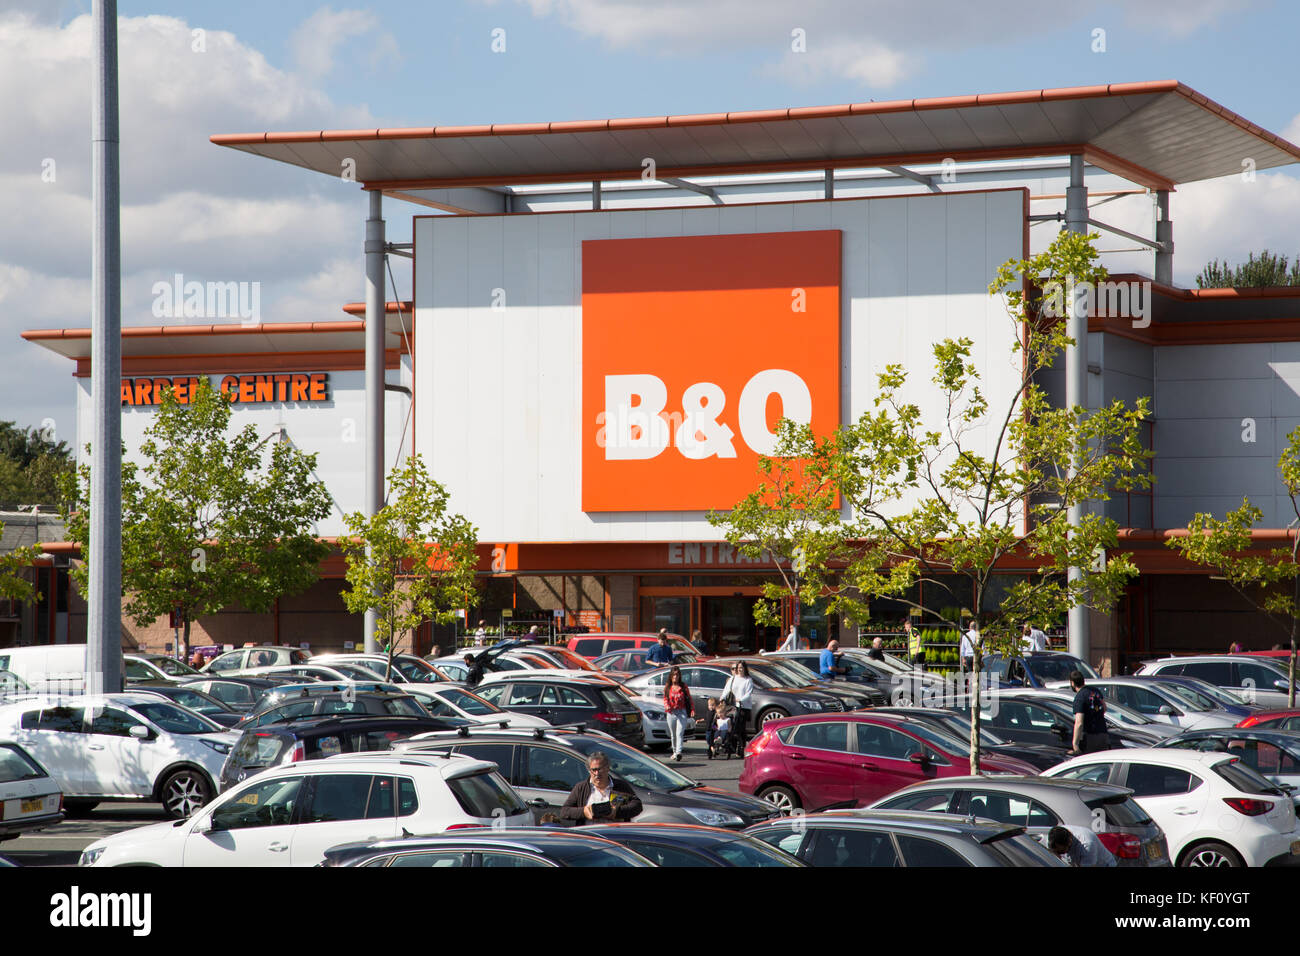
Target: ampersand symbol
x: 702, y: 403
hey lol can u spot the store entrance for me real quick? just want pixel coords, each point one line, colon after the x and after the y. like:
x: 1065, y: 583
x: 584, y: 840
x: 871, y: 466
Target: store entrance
x: 728, y: 625
x: 725, y: 620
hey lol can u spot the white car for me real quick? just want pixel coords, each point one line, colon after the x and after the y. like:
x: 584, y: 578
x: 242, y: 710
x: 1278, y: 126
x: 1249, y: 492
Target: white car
x: 1215, y: 810
x: 290, y: 815
x: 451, y: 700
x: 406, y: 667
x: 132, y: 746
x: 339, y: 673
x: 29, y: 797
x: 1170, y: 704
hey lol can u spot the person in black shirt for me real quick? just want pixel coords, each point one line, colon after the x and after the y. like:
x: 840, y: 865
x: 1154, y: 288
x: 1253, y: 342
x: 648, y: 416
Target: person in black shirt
x: 877, y: 652
x: 475, y: 670
x: 1090, y: 733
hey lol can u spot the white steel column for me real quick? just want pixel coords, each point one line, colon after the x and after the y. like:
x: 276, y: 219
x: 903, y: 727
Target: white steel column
x: 104, y: 634
x: 375, y: 319
x: 1076, y: 384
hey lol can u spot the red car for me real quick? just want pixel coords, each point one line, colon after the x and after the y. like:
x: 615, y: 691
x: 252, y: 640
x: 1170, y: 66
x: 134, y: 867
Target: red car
x: 1273, y: 720
x: 853, y: 759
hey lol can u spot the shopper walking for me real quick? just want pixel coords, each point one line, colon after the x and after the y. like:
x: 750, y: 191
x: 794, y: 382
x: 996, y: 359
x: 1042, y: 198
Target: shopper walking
x: 740, y: 689
x: 678, y: 707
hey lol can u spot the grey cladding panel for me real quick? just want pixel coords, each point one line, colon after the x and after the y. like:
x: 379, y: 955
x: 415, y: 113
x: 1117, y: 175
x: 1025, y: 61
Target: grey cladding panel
x: 1212, y: 438
x: 1238, y: 398
x: 1199, y: 362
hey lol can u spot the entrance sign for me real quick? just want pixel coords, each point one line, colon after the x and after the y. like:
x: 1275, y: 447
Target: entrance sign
x: 693, y: 348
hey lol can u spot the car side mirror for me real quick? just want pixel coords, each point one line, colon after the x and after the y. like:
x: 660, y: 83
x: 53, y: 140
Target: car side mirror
x: 1061, y: 730
x: 140, y: 732
x: 203, y: 825
x: 1166, y: 710
x: 1280, y: 685
x: 920, y: 757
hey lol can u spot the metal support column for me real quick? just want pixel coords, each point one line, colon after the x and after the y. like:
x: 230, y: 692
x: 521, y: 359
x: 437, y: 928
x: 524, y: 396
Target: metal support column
x: 1165, y: 236
x: 375, y: 319
x: 1076, y: 382
x: 104, y: 637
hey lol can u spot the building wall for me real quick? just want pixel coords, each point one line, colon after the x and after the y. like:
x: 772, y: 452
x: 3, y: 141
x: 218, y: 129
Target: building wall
x: 498, y: 312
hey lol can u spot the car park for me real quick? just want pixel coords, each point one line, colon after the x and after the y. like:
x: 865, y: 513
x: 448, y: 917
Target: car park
x: 681, y: 844
x: 894, y: 838
x: 853, y: 760
x: 314, y: 738
x: 567, y: 700
x: 1168, y: 703
x: 1127, y: 727
x: 260, y: 655
x: 544, y: 766
x: 1262, y: 678
x: 238, y: 693
x: 1273, y: 754
x: 291, y: 815
x: 707, y: 679
x: 1040, y: 803
x: 30, y: 799
x: 1040, y: 755
x: 194, y: 700
x: 121, y: 747
x: 295, y: 701
x: 1214, y: 810
x: 452, y: 700
x: 513, y: 848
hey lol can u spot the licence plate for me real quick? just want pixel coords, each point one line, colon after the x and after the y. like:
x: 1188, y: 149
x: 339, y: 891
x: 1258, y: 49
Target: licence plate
x: 1154, y: 852
x: 32, y: 806
x: 632, y: 718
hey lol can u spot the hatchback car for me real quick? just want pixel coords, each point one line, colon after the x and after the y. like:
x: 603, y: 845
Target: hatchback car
x: 1273, y: 754
x: 1262, y: 677
x: 193, y: 699
x: 262, y: 655
x: 452, y: 700
x: 511, y: 849
x: 290, y: 815
x: 1127, y: 728
x: 121, y: 747
x: 406, y: 667
x: 294, y: 701
x: 30, y: 799
x: 1172, y: 704
x: 1040, y: 803
x: 1214, y: 809
x: 562, y: 700
x: 893, y: 838
x: 545, y: 766
x: 956, y: 723
x: 1036, y: 670
x: 238, y: 693
x: 853, y: 760
x: 681, y: 844
x: 142, y: 667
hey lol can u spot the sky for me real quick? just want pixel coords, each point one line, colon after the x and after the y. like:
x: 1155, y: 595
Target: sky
x: 192, y: 69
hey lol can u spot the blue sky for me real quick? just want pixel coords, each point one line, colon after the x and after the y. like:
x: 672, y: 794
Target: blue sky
x: 215, y: 214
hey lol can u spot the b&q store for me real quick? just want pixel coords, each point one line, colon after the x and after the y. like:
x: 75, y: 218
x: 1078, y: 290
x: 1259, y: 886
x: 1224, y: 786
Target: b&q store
x: 602, y: 337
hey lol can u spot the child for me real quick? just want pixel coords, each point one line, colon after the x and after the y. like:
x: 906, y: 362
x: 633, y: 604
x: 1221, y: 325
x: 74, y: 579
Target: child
x: 719, y: 733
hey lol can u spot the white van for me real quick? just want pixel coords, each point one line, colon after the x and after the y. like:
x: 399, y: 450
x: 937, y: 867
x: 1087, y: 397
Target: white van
x: 48, y: 668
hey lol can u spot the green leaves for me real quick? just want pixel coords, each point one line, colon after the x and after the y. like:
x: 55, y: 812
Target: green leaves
x: 414, y: 560
x: 212, y: 519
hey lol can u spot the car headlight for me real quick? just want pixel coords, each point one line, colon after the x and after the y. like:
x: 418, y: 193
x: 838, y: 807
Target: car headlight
x: 90, y: 855
x: 654, y: 714
x: 218, y: 746
x: 716, y: 818
x: 810, y: 704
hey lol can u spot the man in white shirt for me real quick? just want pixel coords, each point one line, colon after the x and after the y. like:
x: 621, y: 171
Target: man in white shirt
x: 481, y: 634
x: 791, y: 642
x: 1035, y: 641
x: 967, y: 650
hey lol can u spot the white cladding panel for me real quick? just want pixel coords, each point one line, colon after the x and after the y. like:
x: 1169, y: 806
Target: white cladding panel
x: 335, y: 430
x: 499, y: 343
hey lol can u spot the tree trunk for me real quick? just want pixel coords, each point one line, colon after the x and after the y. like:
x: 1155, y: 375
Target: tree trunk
x: 183, y: 652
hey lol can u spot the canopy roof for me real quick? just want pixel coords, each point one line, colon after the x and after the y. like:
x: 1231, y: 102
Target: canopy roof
x: 1157, y: 134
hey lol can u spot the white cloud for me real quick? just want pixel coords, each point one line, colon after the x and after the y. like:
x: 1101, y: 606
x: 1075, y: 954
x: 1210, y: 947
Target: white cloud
x: 1292, y: 132
x: 316, y: 42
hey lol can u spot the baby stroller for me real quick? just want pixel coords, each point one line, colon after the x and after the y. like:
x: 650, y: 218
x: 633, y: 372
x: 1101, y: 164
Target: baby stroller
x: 725, y: 739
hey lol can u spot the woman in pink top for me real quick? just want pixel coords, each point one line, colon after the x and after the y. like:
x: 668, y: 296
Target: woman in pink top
x: 677, y: 705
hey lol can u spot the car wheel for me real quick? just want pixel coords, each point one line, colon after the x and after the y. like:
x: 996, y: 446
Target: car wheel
x: 1211, y: 854
x: 781, y: 797
x: 78, y: 808
x: 771, y: 714
x: 184, y: 792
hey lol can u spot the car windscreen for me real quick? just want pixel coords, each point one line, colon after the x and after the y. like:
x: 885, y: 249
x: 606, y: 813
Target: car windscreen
x: 486, y: 795
x: 617, y: 700
x: 197, y: 702
x: 960, y: 727
x: 1024, y: 850
x: 634, y: 767
x: 258, y: 750
x: 16, y: 765
x: 175, y: 668
x: 792, y: 672
x: 751, y: 852
x: 1194, y: 699
x: 470, y: 703
x: 176, y: 720
x: 1057, y: 667
x: 413, y: 669
x: 1245, y: 779
x: 949, y: 743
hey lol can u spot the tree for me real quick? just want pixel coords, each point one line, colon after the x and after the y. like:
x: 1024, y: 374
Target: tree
x: 980, y: 488
x: 411, y: 562
x: 1271, y: 581
x: 211, y: 519
x: 1265, y: 272
x: 31, y: 466
x: 13, y: 586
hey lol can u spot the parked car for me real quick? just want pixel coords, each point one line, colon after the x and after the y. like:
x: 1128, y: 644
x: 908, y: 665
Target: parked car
x: 771, y: 701
x: 1167, y: 703
x: 1036, y: 670
x: 30, y: 799
x: 1040, y: 803
x: 145, y: 667
x: 885, y: 684
x: 261, y: 655
x: 957, y: 724
x: 512, y: 848
x: 789, y: 672
x: 238, y: 693
x: 313, y: 738
x: 592, y: 646
x: 1209, y: 695
x: 193, y: 699
x: 337, y: 673
x: 1263, y: 678
x: 1273, y: 720
x: 295, y: 701
x: 1214, y: 810
x: 121, y: 747
x: 892, y: 838
x: 48, y: 668
x: 853, y: 759
x: 544, y: 766
x: 625, y: 664
x: 291, y: 815
x: 1273, y: 754
x: 1127, y: 727
x: 406, y: 667
x: 567, y: 700
x: 682, y: 844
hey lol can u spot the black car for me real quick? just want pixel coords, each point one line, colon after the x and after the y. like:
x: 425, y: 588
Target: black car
x: 545, y: 765
x: 294, y: 701
x: 238, y: 693
x: 679, y: 844
x: 771, y: 701
x: 953, y: 722
x: 512, y: 848
x: 597, y: 703
x: 315, y: 737
x: 193, y: 699
x: 1040, y: 719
